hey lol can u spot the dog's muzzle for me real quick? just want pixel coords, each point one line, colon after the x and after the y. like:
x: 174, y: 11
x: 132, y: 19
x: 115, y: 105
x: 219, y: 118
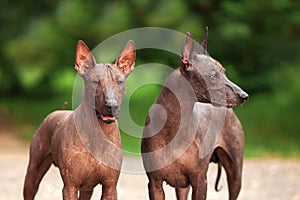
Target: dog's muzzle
x: 109, y: 118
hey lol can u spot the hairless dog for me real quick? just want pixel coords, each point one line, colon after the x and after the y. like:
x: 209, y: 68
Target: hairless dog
x: 192, y: 124
x: 84, y: 144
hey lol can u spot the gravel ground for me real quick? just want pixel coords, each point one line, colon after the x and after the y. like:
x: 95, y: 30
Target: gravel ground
x: 263, y: 179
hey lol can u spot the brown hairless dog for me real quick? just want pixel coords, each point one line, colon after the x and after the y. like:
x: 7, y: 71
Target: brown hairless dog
x: 85, y: 144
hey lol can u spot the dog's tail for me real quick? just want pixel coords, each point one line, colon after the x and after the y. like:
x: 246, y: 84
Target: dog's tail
x: 218, y: 177
x: 64, y: 106
x: 214, y: 158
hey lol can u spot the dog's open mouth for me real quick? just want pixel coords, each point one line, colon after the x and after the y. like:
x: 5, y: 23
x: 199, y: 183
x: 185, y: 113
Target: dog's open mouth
x: 228, y: 105
x: 108, y: 119
x: 105, y: 118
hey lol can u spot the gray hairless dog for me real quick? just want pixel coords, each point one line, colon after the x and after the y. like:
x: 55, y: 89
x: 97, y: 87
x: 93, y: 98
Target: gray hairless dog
x: 192, y: 124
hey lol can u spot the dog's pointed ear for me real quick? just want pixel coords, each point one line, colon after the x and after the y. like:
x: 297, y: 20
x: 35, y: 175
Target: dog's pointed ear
x: 126, y: 59
x: 188, y: 51
x: 84, y: 59
x: 202, y: 48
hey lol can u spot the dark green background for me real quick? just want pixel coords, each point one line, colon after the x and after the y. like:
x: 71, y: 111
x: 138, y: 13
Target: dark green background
x: 258, y: 41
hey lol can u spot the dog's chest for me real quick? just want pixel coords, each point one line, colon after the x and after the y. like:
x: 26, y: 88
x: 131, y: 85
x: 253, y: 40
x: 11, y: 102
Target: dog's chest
x: 85, y: 169
x: 209, y: 122
x: 76, y: 161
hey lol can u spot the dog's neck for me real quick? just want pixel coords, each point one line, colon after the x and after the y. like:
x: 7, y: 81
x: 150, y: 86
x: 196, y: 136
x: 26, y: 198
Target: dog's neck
x: 98, y: 137
x: 173, y: 118
x: 87, y: 117
x: 177, y: 97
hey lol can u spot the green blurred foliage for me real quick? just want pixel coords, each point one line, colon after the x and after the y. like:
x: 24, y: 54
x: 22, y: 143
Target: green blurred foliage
x: 258, y: 41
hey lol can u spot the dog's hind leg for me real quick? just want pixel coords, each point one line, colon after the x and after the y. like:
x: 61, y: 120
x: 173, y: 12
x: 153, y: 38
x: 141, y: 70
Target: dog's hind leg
x: 229, y: 151
x: 233, y: 168
x: 182, y: 193
x: 35, y: 173
x: 39, y: 163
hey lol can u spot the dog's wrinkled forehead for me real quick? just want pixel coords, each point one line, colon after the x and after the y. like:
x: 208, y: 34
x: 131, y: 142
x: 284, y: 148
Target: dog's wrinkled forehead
x: 109, y: 72
x: 209, y: 63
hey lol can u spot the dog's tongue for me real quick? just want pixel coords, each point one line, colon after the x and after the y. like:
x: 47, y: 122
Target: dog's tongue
x: 108, y: 118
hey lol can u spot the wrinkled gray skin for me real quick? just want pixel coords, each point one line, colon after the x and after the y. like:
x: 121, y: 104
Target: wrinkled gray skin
x: 85, y: 144
x: 179, y: 153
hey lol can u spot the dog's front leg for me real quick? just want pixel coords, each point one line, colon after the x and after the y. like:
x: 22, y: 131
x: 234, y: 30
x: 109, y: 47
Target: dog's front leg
x: 156, y: 191
x: 70, y: 193
x: 85, y: 194
x: 182, y: 193
x: 109, y: 192
x: 199, y: 186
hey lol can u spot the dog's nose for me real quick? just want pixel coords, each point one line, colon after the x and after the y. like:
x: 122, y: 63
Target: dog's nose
x: 243, y: 96
x: 111, y: 106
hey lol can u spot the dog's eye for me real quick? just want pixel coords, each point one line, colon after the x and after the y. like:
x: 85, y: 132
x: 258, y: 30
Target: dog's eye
x: 119, y: 82
x: 214, y: 75
x: 96, y: 82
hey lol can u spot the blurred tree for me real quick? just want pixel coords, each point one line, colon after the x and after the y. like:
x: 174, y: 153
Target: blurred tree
x: 38, y: 38
x: 258, y: 41
x: 259, y: 36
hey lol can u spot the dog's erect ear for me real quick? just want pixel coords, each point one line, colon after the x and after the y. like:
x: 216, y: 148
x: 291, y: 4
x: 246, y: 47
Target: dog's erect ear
x: 188, y: 51
x: 202, y: 48
x: 84, y: 59
x: 126, y: 59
